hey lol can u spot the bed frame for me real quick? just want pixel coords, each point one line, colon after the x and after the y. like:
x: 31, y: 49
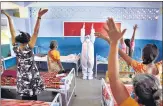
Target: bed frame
x: 97, y: 63
x: 57, y: 101
x: 109, y: 102
x: 2, y: 65
x: 71, y: 77
x: 43, y: 59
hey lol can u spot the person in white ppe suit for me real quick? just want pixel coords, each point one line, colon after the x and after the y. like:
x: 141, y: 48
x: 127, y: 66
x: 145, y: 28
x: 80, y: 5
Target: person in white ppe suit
x: 87, y: 54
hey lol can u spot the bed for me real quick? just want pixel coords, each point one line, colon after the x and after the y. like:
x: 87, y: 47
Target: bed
x: 100, y: 60
x: 2, y: 65
x: 57, y: 101
x: 124, y: 68
x: 62, y: 83
x: 72, y: 58
x: 107, y: 98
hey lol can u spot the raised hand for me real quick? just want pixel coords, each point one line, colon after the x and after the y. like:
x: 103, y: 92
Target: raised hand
x: 42, y: 12
x: 114, y: 34
x: 2, y: 11
x: 135, y: 27
x: 100, y: 35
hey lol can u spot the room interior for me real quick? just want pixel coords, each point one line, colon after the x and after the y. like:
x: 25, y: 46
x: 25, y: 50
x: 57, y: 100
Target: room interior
x: 63, y: 23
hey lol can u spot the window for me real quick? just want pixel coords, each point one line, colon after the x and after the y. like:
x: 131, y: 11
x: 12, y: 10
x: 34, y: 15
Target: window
x: 5, y: 44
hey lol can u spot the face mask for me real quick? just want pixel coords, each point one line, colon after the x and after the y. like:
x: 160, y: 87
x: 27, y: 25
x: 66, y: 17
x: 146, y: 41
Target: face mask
x: 87, y: 38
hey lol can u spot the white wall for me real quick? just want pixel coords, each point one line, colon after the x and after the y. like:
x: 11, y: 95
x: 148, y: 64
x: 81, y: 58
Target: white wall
x: 52, y: 22
x: 159, y: 28
x: 146, y: 28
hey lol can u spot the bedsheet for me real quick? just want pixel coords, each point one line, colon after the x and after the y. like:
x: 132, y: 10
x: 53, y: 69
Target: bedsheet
x: 51, y: 79
x: 102, y: 59
x: 106, y: 95
x: 72, y: 58
x: 12, y: 102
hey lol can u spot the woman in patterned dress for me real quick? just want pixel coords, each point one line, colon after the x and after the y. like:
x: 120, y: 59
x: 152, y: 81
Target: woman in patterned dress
x: 29, y: 82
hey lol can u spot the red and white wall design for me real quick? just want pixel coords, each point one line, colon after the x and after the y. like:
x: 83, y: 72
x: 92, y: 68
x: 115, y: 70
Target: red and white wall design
x: 74, y: 28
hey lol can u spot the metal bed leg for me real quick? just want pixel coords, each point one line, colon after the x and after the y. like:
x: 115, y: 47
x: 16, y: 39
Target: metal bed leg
x: 77, y: 69
x: 75, y: 83
x: 60, y: 100
x: 96, y: 67
x: 68, y: 98
x: 96, y: 71
x: 103, y: 103
x: 39, y: 64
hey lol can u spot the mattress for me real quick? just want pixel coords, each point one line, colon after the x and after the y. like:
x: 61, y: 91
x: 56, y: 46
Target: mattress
x: 12, y: 102
x: 70, y: 58
x: 51, y: 79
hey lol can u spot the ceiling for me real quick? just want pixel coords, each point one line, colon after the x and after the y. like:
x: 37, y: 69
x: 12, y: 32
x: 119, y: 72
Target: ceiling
x: 107, y: 4
x: 110, y: 4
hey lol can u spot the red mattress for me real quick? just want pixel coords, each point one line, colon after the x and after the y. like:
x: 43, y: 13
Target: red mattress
x: 51, y: 81
x: 9, y: 73
x: 6, y: 102
x: 106, y: 96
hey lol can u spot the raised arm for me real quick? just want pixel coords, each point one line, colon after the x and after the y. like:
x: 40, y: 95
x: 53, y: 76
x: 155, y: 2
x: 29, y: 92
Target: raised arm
x: 127, y: 58
x: 121, y: 53
x: 37, y: 27
x: 12, y: 30
x: 92, y: 35
x: 122, y: 41
x: 113, y: 64
x: 82, y: 33
x: 133, y: 36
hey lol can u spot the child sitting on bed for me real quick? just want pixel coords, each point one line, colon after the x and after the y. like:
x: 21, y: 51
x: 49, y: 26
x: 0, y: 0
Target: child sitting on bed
x: 54, y: 63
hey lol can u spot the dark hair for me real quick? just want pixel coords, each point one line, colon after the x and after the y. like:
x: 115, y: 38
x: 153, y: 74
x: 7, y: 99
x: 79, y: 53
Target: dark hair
x: 146, y: 87
x: 127, y: 42
x: 150, y: 53
x: 23, y: 37
x: 53, y: 44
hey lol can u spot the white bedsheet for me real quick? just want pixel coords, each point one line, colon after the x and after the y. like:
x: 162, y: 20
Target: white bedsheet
x: 72, y: 58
